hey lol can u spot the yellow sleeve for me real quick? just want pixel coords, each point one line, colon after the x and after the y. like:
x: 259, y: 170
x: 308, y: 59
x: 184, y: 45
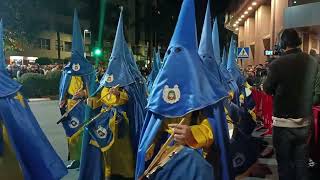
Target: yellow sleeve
x: 76, y: 84
x: 112, y: 100
x: 94, y: 102
x: 202, y: 134
x: 253, y: 115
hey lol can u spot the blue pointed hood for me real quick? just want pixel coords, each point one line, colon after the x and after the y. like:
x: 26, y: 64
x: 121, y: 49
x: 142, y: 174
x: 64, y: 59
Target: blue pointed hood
x: 216, y: 41
x: 205, y: 47
x: 224, y: 58
x: 206, y: 50
x: 2, y: 57
x: 77, y: 40
x: 184, y: 84
x: 232, y: 85
x: 232, y: 65
x: 78, y: 64
x: 185, y: 26
x: 156, y: 64
x: 121, y: 65
x: 158, y: 59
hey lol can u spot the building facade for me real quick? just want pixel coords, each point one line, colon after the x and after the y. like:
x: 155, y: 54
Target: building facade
x: 46, y: 43
x: 259, y: 22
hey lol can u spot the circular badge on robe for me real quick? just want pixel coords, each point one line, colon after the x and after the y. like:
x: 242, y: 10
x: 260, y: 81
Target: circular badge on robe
x: 101, y: 132
x: 76, y: 67
x: 109, y: 78
x: 171, y: 95
x: 74, y: 123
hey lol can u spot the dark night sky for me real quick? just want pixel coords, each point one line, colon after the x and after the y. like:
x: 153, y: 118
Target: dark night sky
x: 164, y: 21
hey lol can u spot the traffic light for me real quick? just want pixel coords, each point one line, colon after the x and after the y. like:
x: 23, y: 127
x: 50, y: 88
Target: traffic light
x: 97, y: 52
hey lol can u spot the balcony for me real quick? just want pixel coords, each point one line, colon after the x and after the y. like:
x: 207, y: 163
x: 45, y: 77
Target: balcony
x: 303, y: 16
x: 242, y: 10
x: 300, y: 2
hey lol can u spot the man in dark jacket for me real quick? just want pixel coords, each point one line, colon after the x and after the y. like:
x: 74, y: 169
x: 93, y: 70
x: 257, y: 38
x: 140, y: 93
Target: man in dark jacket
x: 291, y: 80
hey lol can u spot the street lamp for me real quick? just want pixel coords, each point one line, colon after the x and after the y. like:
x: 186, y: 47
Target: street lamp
x: 86, y: 31
x: 97, y: 52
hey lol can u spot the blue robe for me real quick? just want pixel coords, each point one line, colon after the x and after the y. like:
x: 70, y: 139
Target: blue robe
x: 37, y: 158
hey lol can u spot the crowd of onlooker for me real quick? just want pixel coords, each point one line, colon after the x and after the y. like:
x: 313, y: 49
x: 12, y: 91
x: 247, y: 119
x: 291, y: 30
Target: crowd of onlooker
x: 16, y: 70
x: 256, y: 74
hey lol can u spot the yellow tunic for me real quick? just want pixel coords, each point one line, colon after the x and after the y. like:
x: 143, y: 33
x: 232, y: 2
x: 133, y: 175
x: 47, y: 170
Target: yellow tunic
x: 76, y: 84
x: 202, y: 133
x: 119, y: 159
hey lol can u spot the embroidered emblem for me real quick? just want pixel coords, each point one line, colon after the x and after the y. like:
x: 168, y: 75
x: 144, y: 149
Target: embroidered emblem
x: 238, y: 160
x: 109, y: 78
x: 171, y: 95
x: 74, y: 123
x: 76, y: 67
x: 101, y: 132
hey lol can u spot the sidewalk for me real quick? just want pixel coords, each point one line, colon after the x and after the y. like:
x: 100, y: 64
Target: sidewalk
x: 271, y: 162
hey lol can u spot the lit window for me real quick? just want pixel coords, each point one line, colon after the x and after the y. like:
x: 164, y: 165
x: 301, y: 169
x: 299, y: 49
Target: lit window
x: 87, y: 48
x: 67, y: 46
x: 44, y: 43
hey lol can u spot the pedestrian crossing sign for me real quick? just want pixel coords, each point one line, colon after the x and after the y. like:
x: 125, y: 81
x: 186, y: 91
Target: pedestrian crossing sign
x: 243, y: 52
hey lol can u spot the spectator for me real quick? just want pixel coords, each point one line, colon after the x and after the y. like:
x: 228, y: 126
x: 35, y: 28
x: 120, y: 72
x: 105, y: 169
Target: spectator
x: 100, y: 72
x: 21, y: 71
x: 314, y: 54
x: 291, y: 80
x: 16, y: 71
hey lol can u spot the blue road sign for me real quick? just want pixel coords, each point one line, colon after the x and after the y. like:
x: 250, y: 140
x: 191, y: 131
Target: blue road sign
x: 243, y: 52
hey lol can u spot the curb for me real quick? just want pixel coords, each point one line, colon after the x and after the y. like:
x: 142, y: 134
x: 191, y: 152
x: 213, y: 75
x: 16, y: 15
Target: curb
x: 39, y: 99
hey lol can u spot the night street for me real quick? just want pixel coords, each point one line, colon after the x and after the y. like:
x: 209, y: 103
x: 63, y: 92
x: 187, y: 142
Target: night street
x: 47, y: 113
x: 160, y: 90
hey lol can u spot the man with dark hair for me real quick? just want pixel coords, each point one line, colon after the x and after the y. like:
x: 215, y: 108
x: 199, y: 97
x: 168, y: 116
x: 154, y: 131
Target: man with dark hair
x: 291, y: 80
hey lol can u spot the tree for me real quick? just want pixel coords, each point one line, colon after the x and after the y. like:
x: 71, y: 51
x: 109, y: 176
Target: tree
x: 20, y: 20
x: 25, y: 19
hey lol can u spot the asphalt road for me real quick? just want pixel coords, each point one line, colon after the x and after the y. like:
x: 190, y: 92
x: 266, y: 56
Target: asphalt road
x: 47, y: 114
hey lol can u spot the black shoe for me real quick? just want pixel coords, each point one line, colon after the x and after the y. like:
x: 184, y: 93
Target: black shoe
x: 74, y: 164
